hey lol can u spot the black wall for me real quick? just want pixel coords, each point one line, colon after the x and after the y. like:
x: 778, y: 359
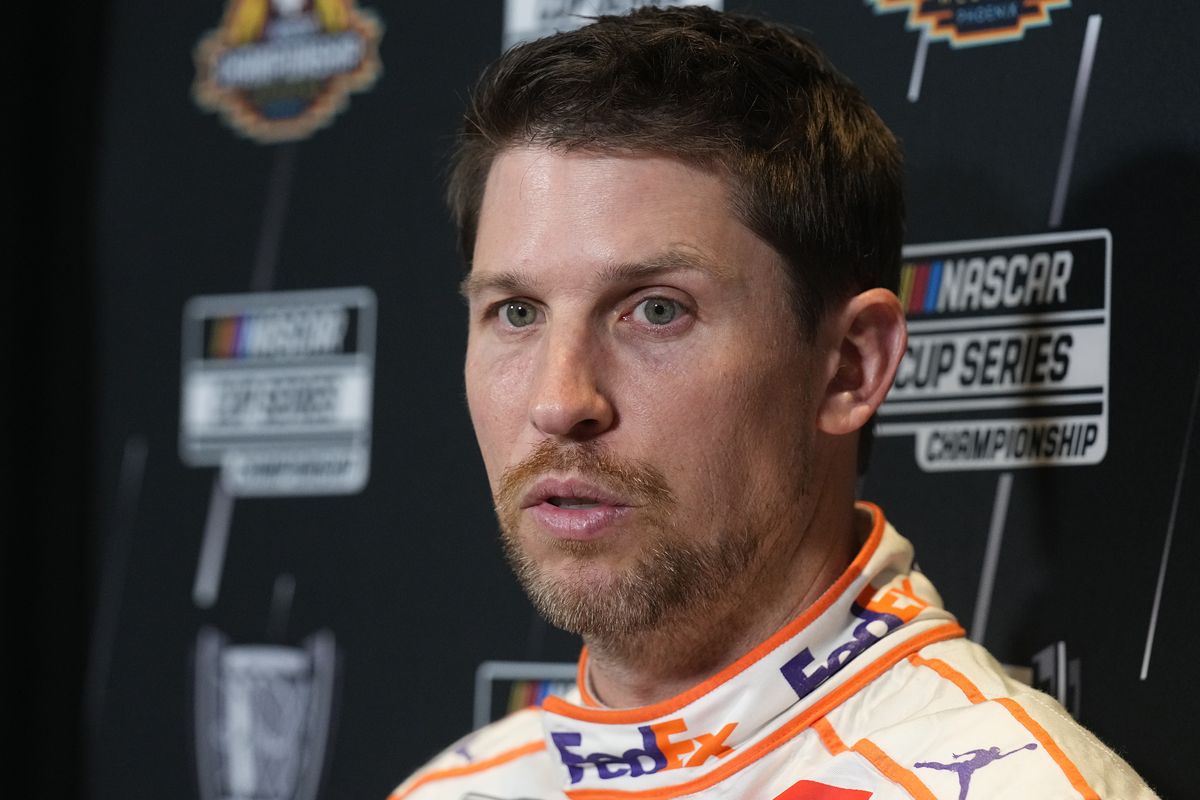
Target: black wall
x: 163, y: 202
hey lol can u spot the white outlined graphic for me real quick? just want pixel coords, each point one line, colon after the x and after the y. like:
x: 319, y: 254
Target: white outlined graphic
x: 277, y: 390
x: 1007, y: 362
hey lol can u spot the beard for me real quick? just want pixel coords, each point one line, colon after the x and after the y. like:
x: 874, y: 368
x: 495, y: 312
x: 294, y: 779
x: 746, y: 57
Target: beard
x: 675, y: 573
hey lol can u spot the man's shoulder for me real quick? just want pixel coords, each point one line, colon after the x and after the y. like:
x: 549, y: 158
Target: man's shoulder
x: 507, y: 756
x: 950, y: 712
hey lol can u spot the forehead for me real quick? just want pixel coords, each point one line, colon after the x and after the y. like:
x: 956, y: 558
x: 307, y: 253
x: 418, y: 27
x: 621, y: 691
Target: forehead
x: 531, y: 170
x: 541, y: 207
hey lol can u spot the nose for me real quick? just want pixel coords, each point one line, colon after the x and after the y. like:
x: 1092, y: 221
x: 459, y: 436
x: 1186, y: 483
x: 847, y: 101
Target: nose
x: 569, y: 401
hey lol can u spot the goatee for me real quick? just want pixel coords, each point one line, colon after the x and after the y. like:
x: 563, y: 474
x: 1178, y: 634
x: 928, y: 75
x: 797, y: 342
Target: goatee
x: 674, y: 574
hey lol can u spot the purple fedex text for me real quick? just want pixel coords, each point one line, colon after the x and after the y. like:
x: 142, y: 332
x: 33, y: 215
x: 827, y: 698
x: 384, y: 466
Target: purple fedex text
x: 665, y: 745
x: 633, y: 762
x: 873, y: 627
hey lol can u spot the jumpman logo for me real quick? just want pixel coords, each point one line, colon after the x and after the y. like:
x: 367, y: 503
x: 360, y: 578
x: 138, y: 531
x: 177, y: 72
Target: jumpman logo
x: 978, y: 760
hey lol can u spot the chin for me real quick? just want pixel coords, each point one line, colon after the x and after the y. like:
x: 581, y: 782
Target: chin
x: 580, y: 592
x: 595, y: 605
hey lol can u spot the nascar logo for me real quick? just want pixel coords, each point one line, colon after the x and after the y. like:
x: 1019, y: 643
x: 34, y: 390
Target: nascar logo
x: 283, y: 332
x: 1018, y: 280
x: 1007, y: 357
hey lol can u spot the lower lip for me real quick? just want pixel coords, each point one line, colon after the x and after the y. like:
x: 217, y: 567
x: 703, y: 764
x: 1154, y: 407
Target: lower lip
x: 577, y: 523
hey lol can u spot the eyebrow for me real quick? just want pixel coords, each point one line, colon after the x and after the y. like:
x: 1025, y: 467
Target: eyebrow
x: 518, y: 281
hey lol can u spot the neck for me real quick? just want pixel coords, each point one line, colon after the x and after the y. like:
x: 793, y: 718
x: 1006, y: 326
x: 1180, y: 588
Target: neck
x: 791, y: 572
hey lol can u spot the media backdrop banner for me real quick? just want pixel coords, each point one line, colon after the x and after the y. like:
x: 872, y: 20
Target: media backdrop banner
x: 300, y: 590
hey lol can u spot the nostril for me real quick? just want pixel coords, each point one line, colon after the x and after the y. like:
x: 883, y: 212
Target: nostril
x: 588, y: 425
x: 569, y: 399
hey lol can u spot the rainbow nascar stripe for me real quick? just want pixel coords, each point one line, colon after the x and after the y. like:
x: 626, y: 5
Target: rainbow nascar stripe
x: 273, y: 333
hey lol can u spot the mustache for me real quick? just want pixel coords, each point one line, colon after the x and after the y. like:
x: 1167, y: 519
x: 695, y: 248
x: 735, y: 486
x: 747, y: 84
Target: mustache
x: 635, y: 481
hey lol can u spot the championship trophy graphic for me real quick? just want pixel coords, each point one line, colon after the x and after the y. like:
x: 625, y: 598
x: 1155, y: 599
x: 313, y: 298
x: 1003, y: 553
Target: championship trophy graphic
x: 277, y: 70
x: 263, y: 715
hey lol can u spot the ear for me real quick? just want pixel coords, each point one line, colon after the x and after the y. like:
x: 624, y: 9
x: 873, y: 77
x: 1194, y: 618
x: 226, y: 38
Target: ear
x: 867, y: 339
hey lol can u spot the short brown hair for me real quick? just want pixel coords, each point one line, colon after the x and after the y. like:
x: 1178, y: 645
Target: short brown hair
x: 812, y: 168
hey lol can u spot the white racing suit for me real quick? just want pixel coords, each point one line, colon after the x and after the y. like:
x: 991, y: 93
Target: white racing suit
x: 872, y: 693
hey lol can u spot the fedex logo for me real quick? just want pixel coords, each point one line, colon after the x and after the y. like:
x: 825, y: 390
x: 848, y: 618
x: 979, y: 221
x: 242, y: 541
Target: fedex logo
x: 878, y: 616
x: 658, y: 751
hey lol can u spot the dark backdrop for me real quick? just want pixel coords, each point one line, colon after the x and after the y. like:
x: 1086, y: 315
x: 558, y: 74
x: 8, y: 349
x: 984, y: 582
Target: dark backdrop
x: 131, y: 200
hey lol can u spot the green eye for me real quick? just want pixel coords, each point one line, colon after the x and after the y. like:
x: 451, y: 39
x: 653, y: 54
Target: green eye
x: 519, y: 314
x: 657, y: 310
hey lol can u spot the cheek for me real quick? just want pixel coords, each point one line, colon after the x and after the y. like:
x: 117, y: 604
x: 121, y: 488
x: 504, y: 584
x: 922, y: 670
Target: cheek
x: 710, y: 389
x: 692, y: 420
x: 496, y: 395
x: 732, y: 422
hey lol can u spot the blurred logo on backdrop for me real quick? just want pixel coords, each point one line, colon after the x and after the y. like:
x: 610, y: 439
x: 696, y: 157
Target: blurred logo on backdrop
x: 504, y: 687
x: 1058, y: 676
x: 965, y: 23
x: 1008, y: 352
x: 525, y: 20
x: 276, y: 390
x: 263, y: 716
x: 277, y: 70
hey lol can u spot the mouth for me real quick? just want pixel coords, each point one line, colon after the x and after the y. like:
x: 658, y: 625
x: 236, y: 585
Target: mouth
x: 571, y: 494
x: 574, y: 502
x: 574, y: 508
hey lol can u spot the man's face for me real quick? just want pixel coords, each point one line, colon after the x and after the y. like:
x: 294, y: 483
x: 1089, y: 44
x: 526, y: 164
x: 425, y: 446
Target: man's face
x: 638, y: 384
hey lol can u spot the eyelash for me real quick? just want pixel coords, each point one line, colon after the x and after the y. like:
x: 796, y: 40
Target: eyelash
x: 494, y: 311
x: 683, y: 309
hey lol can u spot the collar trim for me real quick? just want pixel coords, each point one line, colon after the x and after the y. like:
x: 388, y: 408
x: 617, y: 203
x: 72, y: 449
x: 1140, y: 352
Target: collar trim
x: 623, y: 716
x: 788, y: 730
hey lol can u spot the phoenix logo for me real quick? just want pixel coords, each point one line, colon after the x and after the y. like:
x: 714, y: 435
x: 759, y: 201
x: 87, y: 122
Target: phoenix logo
x: 965, y: 23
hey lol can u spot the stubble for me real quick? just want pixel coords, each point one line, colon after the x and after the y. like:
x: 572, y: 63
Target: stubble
x: 674, y: 573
